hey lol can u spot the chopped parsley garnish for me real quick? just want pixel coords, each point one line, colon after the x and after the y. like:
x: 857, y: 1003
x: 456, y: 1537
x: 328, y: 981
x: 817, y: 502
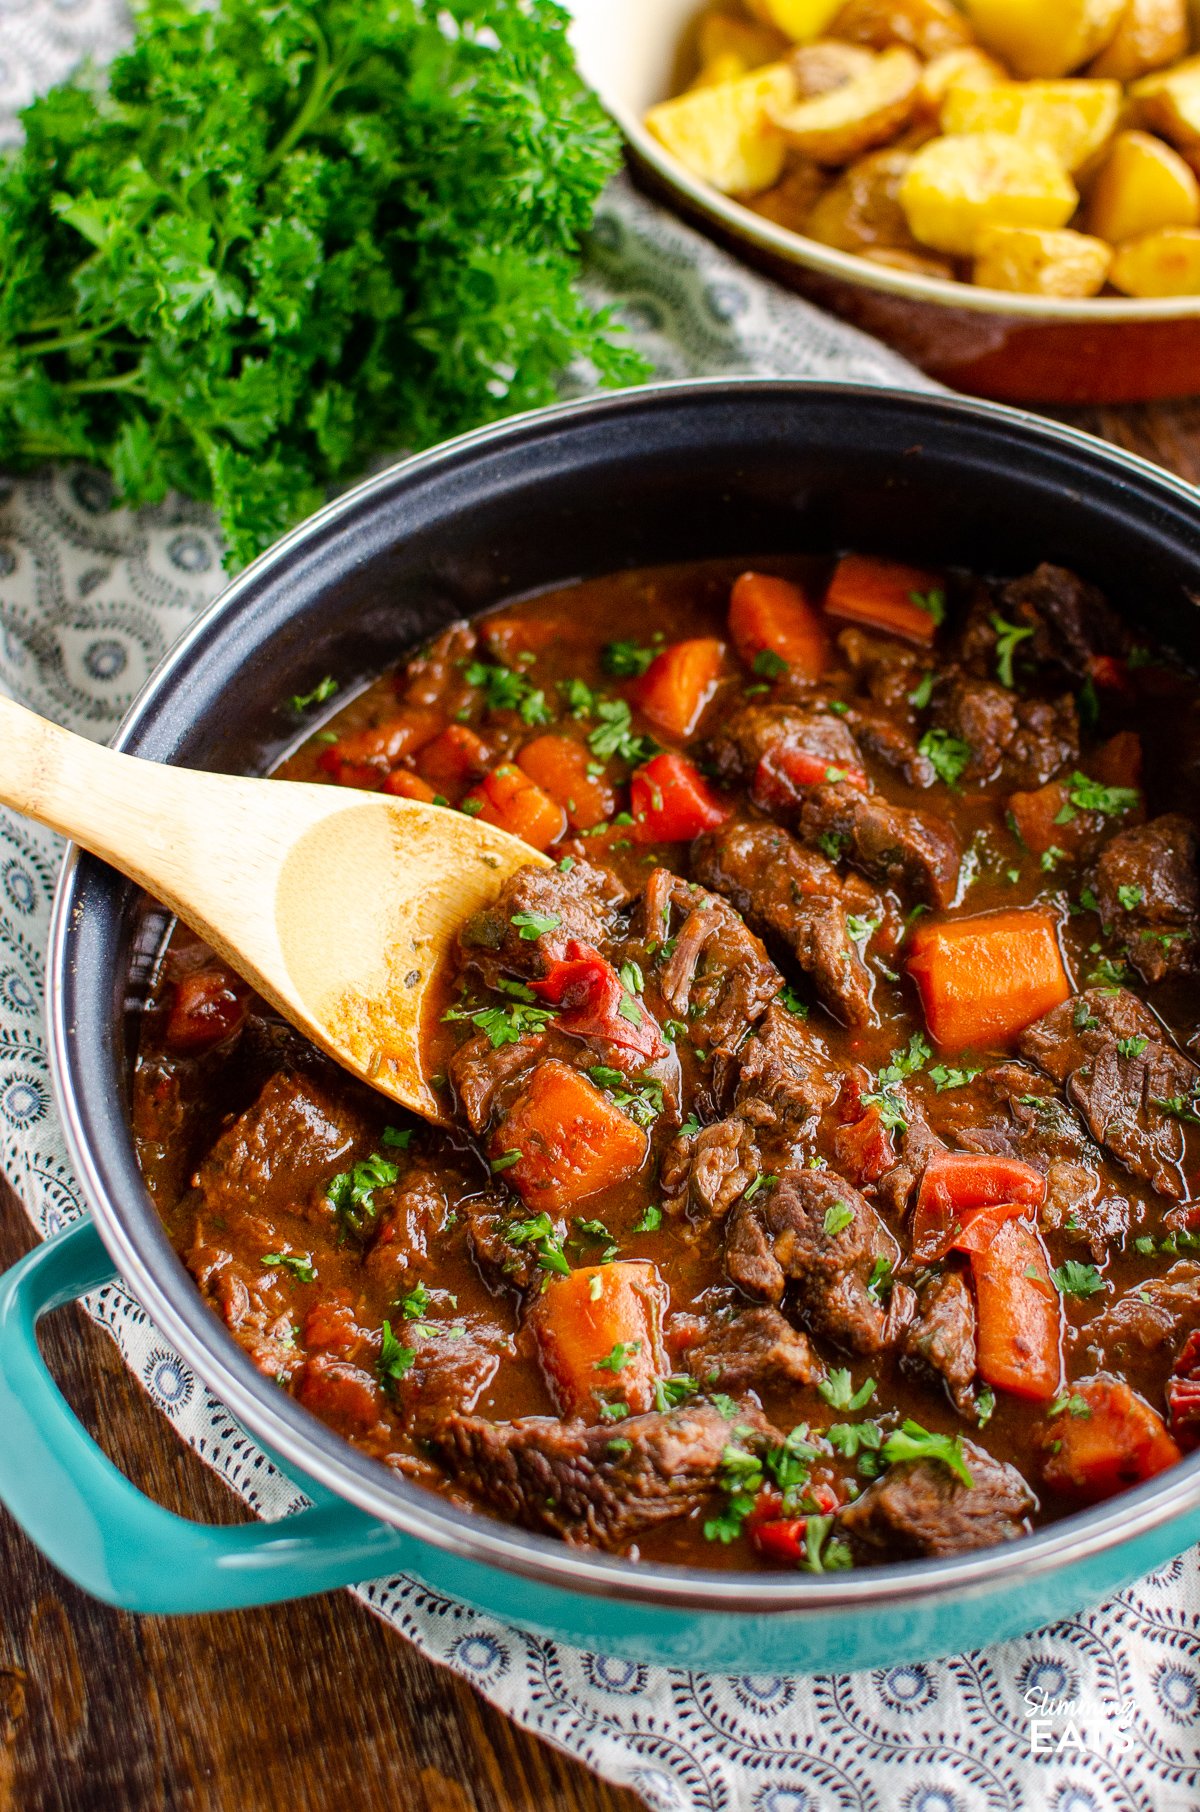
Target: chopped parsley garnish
x: 985, y: 1405
x: 396, y: 1138
x: 394, y: 1361
x: 351, y: 1193
x: 1132, y: 1047
x: 1050, y: 859
x: 619, y: 1358
x: 792, y: 1003
x: 539, y: 1233
x: 640, y: 1097
x: 838, y: 1216
x: 922, y: 692
x: 879, y: 1284
x: 505, y: 1161
x: 1130, y: 896
x: 579, y: 698
x: 533, y: 925
x: 823, y: 1552
x: 861, y: 930
x: 839, y: 1392
x: 1144, y: 1245
x: 912, y: 1442
x: 1072, y: 1404
x: 741, y: 1478
x: 833, y: 844
x: 650, y: 1220
x: 768, y: 664
x: 944, y: 1078
x: 324, y: 689
x: 614, y: 1411
x: 670, y: 1392
x: 851, y: 1438
x: 508, y: 1024
x: 1086, y: 795
x: 414, y: 1304
x: 617, y: 1446
x: 765, y: 1180
x: 626, y: 660
x: 1179, y: 1107
x: 724, y: 1406
x: 299, y: 1264
x: 1074, y: 1279
x: 1009, y: 637
x: 505, y: 690
x: 932, y: 602
x: 1110, y: 972
x: 614, y: 735
x: 632, y: 977
x: 948, y: 755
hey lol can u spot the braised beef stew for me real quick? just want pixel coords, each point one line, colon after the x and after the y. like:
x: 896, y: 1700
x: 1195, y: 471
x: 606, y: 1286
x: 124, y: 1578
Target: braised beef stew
x: 823, y: 1188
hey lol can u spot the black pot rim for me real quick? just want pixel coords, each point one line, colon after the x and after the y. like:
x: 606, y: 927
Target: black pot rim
x: 176, y: 1308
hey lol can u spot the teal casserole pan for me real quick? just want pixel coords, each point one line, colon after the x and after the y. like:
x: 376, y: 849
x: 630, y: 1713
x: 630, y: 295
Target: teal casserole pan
x: 667, y: 473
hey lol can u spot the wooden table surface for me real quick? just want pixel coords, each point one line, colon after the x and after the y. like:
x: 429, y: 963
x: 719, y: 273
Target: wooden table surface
x: 309, y: 1707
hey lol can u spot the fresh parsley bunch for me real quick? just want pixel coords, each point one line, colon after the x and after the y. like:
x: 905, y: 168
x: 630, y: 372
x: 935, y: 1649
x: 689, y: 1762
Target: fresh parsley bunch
x: 280, y: 236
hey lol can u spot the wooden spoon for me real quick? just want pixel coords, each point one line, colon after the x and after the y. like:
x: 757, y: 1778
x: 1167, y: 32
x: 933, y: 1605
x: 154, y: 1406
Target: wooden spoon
x: 337, y: 906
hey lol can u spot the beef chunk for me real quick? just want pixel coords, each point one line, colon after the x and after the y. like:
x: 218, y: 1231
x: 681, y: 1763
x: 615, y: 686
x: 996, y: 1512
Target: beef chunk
x: 890, y: 672
x: 1023, y: 741
x: 252, y: 1299
x: 1015, y: 1112
x: 785, y: 1078
x: 796, y: 1232
x: 759, y: 1349
x: 718, y: 977
x: 1107, y: 1049
x: 449, y: 1375
x: 346, y: 1396
x: 591, y: 1484
x: 918, y: 1144
x: 890, y: 743
x: 501, y: 1263
x: 583, y: 904
x: 416, y: 1207
x: 1149, y: 893
x: 704, y: 1173
x: 916, y: 854
x: 760, y: 746
x: 1159, y: 1313
x: 282, y: 1151
x: 790, y: 896
x: 434, y: 679
x: 1071, y: 621
x: 484, y: 1076
x: 922, y: 1509
x: 941, y: 1338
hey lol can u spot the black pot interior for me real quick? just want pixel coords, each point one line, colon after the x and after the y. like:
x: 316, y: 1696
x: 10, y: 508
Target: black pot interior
x: 681, y: 473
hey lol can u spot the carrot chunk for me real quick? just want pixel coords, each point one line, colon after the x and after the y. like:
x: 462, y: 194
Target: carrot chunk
x: 1118, y: 762
x: 453, y: 760
x: 569, y: 1139
x: 1034, y: 817
x: 982, y: 980
x: 599, y: 1335
x: 772, y: 617
x: 678, y: 684
x: 559, y: 765
x: 672, y: 802
x: 902, y: 600
x: 511, y: 801
x: 402, y: 783
x: 1104, y: 1439
x: 956, y: 1185
x: 509, y: 637
x: 361, y: 757
x: 1019, y: 1311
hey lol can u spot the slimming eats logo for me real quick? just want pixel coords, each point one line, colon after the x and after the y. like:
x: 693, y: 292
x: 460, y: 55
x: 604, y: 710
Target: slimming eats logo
x: 1077, y: 1725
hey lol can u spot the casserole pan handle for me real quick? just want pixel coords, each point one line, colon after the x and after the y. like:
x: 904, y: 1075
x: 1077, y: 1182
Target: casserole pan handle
x: 100, y: 1531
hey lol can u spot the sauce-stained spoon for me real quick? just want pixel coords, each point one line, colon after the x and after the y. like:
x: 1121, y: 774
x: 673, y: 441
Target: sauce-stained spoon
x: 337, y: 906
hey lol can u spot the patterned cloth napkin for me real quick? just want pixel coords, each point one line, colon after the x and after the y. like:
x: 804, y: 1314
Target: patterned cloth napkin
x: 1100, y: 1714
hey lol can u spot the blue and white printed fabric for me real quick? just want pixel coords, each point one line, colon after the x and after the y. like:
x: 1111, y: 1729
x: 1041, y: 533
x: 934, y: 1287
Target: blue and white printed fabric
x: 1100, y: 1714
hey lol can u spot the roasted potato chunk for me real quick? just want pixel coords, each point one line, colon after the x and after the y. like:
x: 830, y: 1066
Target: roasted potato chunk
x: 1170, y: 103
x: 863, y: 207
x: 930, y: 27
x: 1152, y: 33
x: 1045, y: 37
x: 1160, y: 264
x: 970, y: 68
x: 725, y: 133
x: 1072, y: 119
x: 1142, y: 187
x: 799, y: 20
x: 833, y: 128
x: 724, y: 35
x: 956, y: 186
x: 1035, y: 262
x: 828, y: 64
